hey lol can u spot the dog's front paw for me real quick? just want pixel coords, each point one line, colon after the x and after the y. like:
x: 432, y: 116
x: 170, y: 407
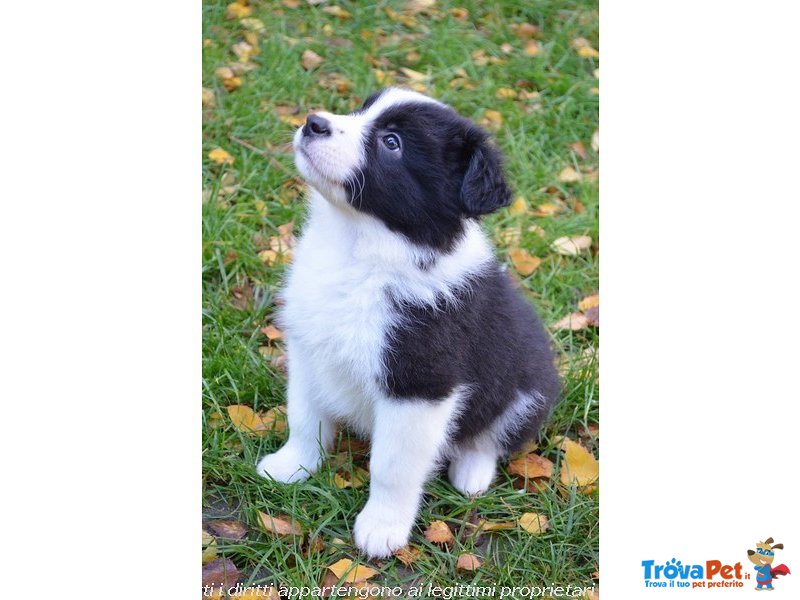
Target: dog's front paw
x: 379, y: 531
x: 284, y: 466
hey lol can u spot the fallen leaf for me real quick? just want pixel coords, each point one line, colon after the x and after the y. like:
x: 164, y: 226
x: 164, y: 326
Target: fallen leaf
x: 534, y: 523
x: 238, y: 10
x: 596, y: 141
x: 578, y: 465
x: 532, y: 48
x: 310, y: 60
x: 279, y: 526
x: 439, y: 533
x: 357, y: 479
x: 526, y: 30
x: 220, y: 571
x: 531, y: 466
x: 523, y: 261
x: 415, y: 6
x: 230, y: 81
x: 496, y: 526
x: 337, y: 11
x: 492, y: 119
x: 272, y: 332
x: 589, y: 302
x: 506, y: 48
x: 509, y: 236
x: 593, y: 316
x: 468, y: 562
x: 407, y: 554
x: 569, y: 175
x: 572, y: 246
x: 220, y: 157
x: 579, y: 149
x: 209, y: 547
x: 230, y: 529
x: 518, y: 207
x: 353, y: 574
x: 209, y: 99
x: 254, y: 25
x: 244, y: 51
x: 584, y: 48
x: 505, y: 93
x: 460, y: 14
x: 573, y: 322
x: 413, y: 75
x: 549, y: 209
x: 247, y: 420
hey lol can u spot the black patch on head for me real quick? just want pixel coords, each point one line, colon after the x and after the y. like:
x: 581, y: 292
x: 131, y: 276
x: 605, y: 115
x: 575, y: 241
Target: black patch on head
x: 491, y: 341
x: 444, y: 171
x: 370, y: 101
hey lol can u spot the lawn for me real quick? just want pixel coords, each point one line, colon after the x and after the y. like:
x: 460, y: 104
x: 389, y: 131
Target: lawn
x: 526, y: 71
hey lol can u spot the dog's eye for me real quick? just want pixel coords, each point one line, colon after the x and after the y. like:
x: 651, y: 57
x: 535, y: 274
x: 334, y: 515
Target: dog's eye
x: 391, y: 141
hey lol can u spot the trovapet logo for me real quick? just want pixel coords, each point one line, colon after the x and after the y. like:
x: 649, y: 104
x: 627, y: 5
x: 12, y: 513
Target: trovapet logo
x: 675, y: 573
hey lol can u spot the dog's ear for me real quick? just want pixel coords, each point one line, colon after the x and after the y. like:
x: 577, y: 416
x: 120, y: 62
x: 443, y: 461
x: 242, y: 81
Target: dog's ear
x: 751, y: 552
x: 779, y: 546
x: 484, y: 188
x: 768, y: 540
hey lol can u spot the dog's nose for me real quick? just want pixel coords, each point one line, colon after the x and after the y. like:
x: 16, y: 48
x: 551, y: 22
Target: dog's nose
x: 317, y: 126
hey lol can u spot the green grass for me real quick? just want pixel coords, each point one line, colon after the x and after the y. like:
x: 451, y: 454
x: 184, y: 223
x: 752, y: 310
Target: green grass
x: 535, y: 137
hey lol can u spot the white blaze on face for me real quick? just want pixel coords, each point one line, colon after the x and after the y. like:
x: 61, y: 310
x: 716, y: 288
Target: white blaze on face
x: 327, y: 162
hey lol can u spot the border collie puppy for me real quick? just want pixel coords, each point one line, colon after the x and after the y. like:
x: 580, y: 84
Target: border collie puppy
x: 399, y: 322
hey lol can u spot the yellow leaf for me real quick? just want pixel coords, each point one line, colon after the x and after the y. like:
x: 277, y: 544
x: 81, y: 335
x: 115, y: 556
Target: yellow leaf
x: 496, y: 526
x: 460, y: 14
x: 493, y: 118
x: 279, y: 526
x: 243, y: 51
x: 209, y: 100
x: 353, y: 574
x: 237, y: 10
x: 337, y: 11
x: 220, y: 157
x: 269, y: 257
x: 573, y: 322
x: 589, y: 302
x: 532, y: 48
x: 468, y: 562
x: 413, y: 75
x: 505, y: 93
x: 569, y: 175
x: 518, y: 207
x: 531, y: 466
x: 578, y: 465
x: 310, y: 60
x: 588, y: 52
x: 407, y: 554
x: 584, y: 48
x: 572, y: 246
x: 523, y: 262
x: 209, y: 547
x: 534, y: 523
x: 439, y: 533
x: 254, y: 25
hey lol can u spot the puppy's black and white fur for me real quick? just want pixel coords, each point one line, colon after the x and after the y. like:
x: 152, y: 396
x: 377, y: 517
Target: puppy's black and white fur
x: 399, y: 322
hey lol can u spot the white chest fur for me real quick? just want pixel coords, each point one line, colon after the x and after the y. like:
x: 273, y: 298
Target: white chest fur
x: 338, y: 311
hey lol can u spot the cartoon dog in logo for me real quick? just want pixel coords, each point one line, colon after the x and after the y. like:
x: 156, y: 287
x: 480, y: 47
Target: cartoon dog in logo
x: 762, y: 558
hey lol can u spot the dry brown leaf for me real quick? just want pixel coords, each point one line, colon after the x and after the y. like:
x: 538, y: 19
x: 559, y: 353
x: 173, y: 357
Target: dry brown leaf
x: 591, y: 594
x: 574, y: 322
x: 358, y: 479
x: 407, y: 554
x: 355, y: 574
x: 220, y: 571
x: 439, y: 533
x: 589, y: 302
x: 468, y: 562
x: 526, y: 30
x: 572, y: 246
x: 531, y: 466
x: 549, y: 209
x: 492, y: 119
x: 279, y: 526
x: 220, y: 157
x: 523, y: 261
x: 460, y: 14
x: 534, y: 523
x: 337, y: 11
x: 230, y: 529
x: 496, y: 526
x: 272, y: 332
x: 518, y: 207
x: 578, y: 465
x: 584, y: 48
x: 579, y: 149
x: 310, y: 60
x: 569, y: 175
